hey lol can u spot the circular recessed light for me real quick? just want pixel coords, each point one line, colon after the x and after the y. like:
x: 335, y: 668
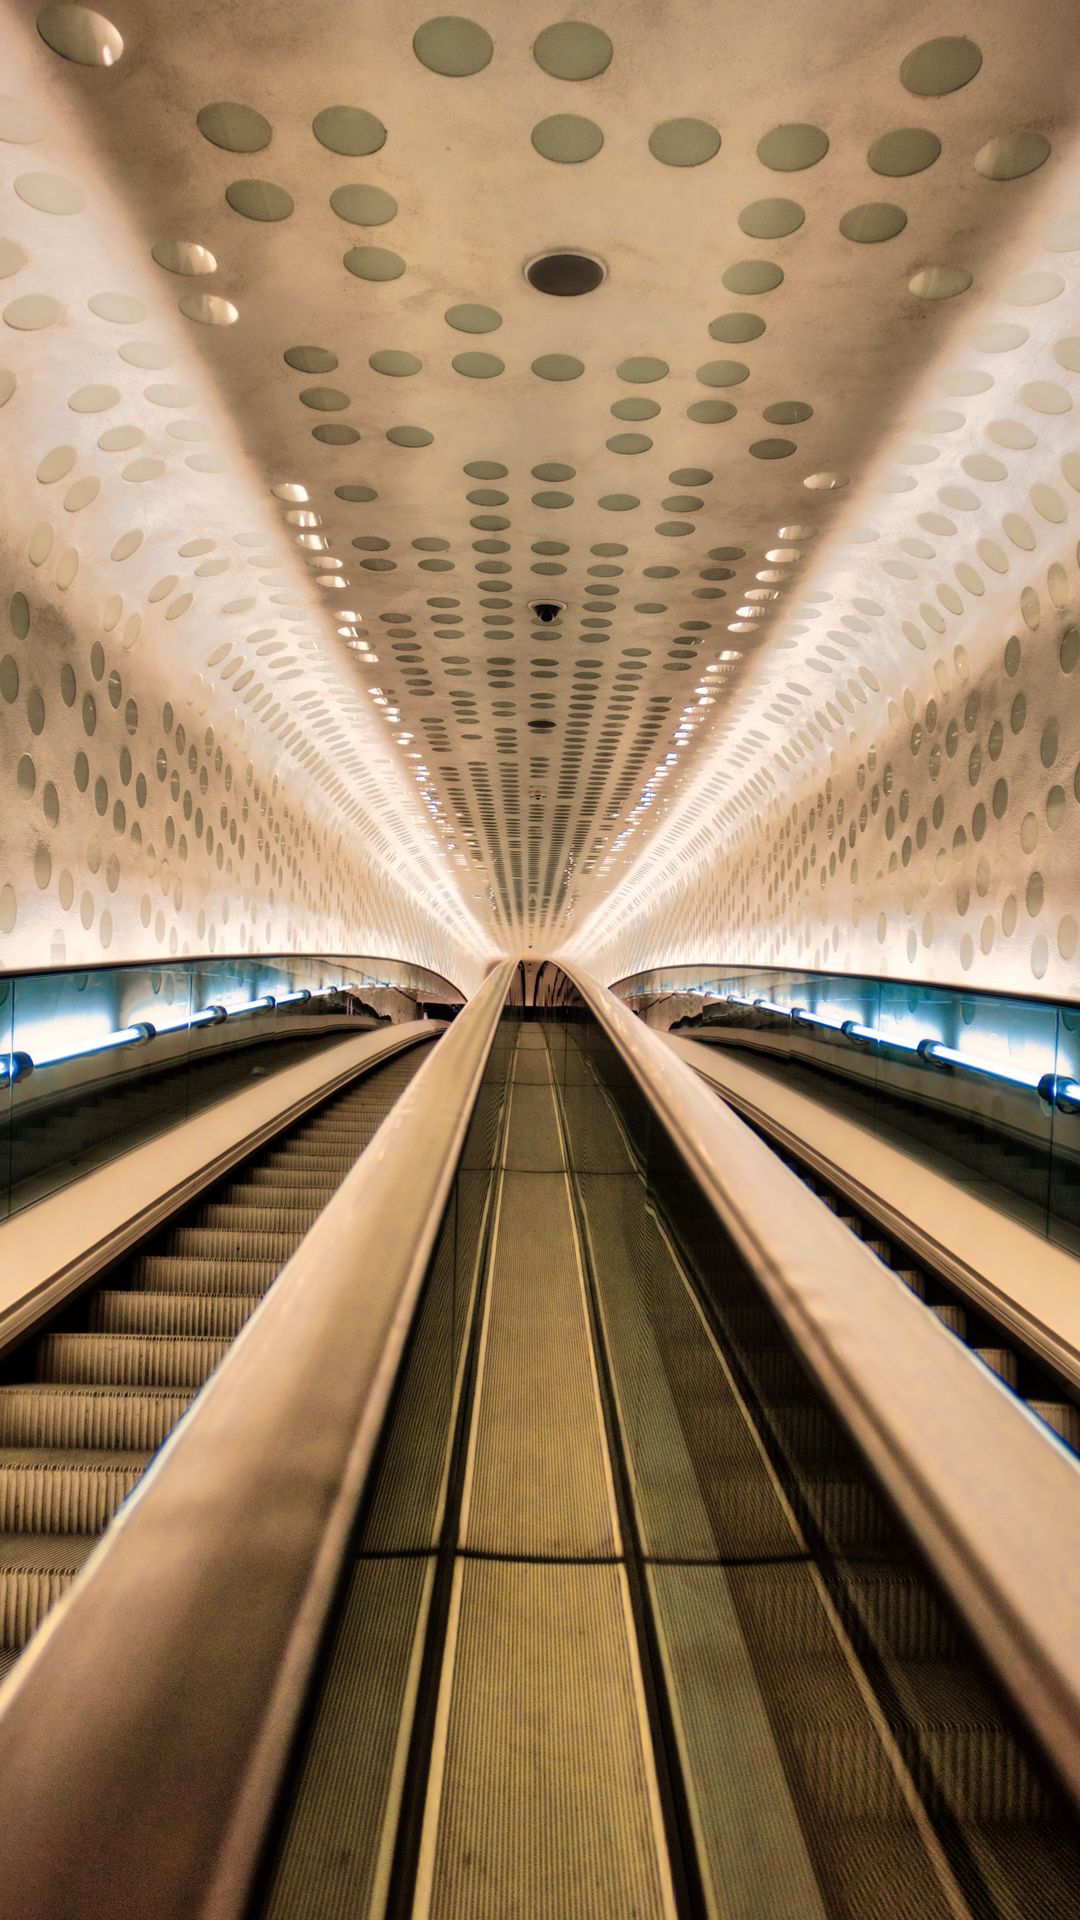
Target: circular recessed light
x: 565, y: 274
x: 79, y: 34
x: 236, y: 128
x: 567, y: 138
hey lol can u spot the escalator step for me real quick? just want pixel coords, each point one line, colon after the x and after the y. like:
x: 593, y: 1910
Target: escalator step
x: 1062, y: 1417
x: 35, y: 1571
x: 318, y: 1159
x: 91, y: 1417
x: 914, y: 1278
x: 220, y: 1315
x: 286, y: 1178
x: 78, y: 1498
x: 200, y: 1274
x: 128, y: 1359
x: 230, y: 1243
x: 952, y: 1316
x: 271, y: 1217
x: 1002, y: 1361
x: 305, y: 1195
x: 840, y: 1767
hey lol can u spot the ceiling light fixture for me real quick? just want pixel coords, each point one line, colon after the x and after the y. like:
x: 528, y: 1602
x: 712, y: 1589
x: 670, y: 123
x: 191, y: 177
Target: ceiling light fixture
x: 565, y: 274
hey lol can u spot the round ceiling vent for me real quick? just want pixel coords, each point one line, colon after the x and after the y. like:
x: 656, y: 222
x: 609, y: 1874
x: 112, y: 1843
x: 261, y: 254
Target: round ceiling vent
x: 565, y: 274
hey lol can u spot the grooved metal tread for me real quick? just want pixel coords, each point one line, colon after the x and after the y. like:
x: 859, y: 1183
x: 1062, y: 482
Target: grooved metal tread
x: 232, y: 1243
x: 70, y: 1494
x: 129, y: 1359
x: 546, y: 1806
x: 60, y: 1415
x: 57, y: 1459
x: 542, y: 1796
x: 539, y: 1482
x: 200, y: 1274
x: 270, y: 1214
x: 307, y: 1190
x: 222, y: 1315
x: 45, y: 1552
x: 534, y: 1145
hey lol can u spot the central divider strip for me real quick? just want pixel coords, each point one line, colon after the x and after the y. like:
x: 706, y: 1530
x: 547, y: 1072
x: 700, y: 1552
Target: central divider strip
x: 542, y: 1790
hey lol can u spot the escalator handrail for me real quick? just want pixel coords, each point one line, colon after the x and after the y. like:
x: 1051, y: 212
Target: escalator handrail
x: 991, y: 1496
x: 144, y: 1732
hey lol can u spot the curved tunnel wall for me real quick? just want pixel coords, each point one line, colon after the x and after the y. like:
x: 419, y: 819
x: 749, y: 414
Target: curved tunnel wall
x: 142, y: 821
x: 901, y: 796
x: 184, y: 763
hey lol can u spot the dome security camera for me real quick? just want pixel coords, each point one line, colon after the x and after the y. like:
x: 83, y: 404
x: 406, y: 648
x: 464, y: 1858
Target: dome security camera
x: 546, y: 610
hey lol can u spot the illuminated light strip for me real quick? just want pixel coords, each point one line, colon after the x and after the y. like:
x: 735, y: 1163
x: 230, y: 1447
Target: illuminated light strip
x: 209, y: 1016
x: 19, y: 1065
x: 1062, y: 1092
x: 122, y: 1037
x: 830, y: 1020
x: 937, y: 1051
x: 854, y: 1030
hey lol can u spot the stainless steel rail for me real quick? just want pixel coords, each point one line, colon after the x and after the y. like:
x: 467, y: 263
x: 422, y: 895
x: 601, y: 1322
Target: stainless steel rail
x: 990, y: 1495
x: 142, y: 1737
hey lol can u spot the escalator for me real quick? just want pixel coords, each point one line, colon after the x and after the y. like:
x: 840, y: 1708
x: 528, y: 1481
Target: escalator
x: 1051, y: 1392
x: 626, y: 1626
x: 87, y: 1402
x: 528, y: 1564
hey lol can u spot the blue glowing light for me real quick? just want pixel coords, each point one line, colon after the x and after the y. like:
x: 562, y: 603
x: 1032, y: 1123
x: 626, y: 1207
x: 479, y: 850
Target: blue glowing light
x: 1065, y: 1093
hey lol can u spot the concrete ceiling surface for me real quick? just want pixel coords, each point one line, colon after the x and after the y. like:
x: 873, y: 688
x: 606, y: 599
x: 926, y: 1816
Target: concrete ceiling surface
x: 327, y: 214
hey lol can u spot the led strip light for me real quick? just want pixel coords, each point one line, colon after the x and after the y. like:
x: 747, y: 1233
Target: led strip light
x: 1059, y: 1090
x: 19, y: 1065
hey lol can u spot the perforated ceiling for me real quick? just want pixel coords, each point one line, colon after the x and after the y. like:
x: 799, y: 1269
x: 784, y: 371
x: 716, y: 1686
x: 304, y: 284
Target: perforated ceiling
x: 326, y: 215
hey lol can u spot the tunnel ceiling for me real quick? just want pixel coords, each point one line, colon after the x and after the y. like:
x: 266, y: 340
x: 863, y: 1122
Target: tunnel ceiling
x: 274, y: 266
